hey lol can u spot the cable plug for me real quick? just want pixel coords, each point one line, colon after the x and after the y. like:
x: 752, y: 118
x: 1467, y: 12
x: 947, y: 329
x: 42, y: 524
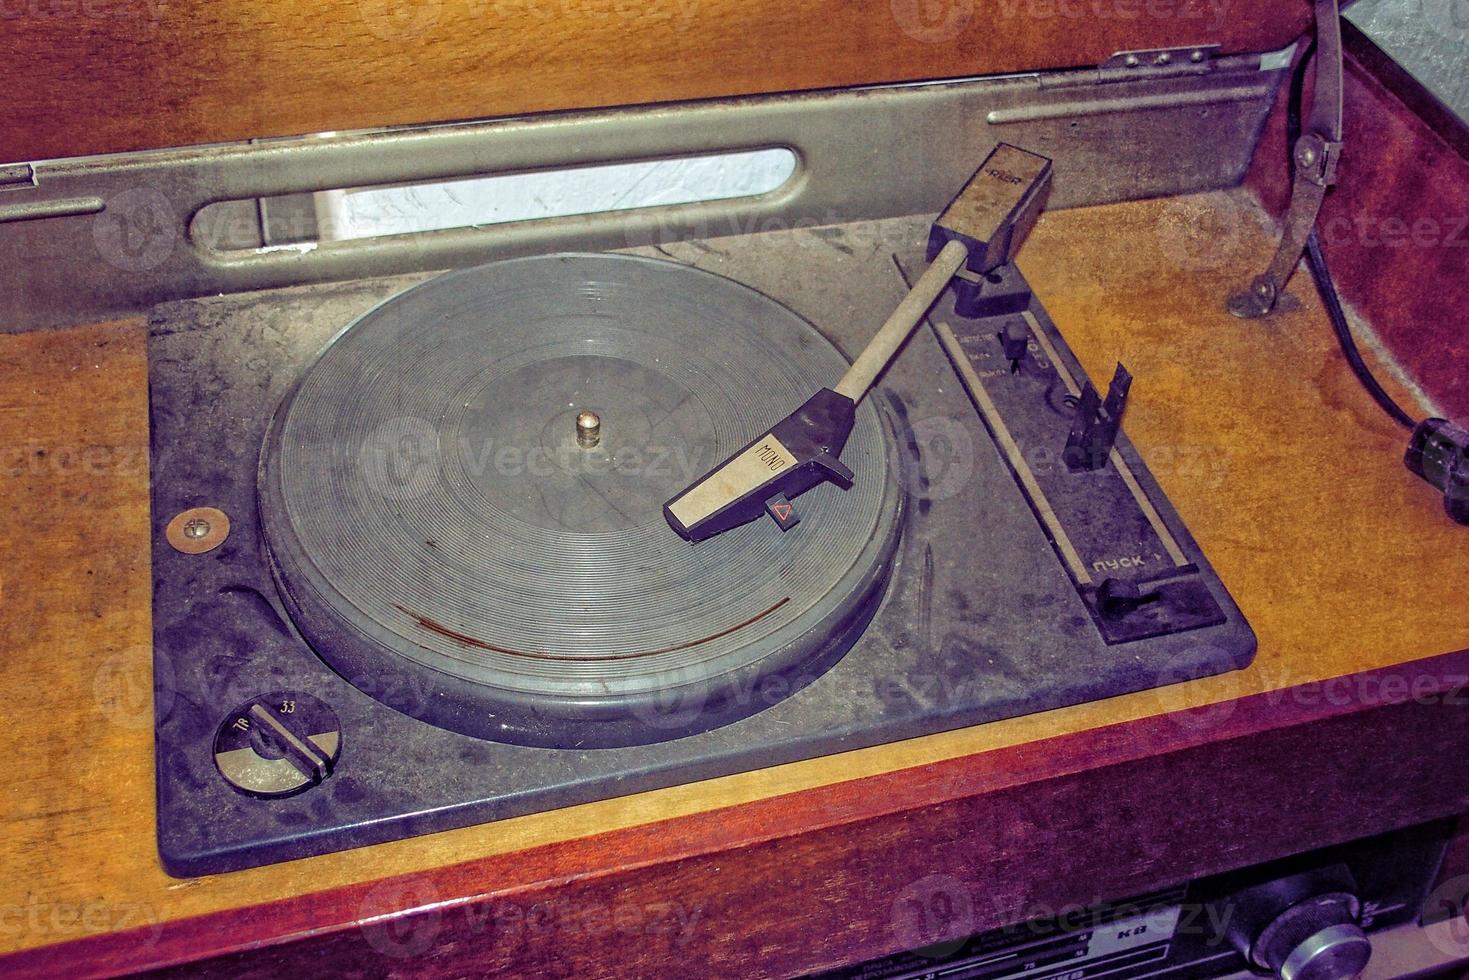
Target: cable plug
x: 1439, y: 453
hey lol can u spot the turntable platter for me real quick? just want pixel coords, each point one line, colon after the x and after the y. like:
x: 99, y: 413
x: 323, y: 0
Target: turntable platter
x: 446, y: 542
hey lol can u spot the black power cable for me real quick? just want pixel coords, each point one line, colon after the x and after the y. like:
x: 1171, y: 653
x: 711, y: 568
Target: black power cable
x: 1325, y: 285
x: 1439, y: 450
x: 1327, y: 288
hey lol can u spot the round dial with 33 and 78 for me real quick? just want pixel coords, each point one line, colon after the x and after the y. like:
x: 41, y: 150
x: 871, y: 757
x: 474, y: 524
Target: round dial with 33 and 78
x: 278, y: 744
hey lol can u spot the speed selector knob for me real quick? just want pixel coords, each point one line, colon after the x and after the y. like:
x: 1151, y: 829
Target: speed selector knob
x: 1302, y: 928
x: 278, y: 744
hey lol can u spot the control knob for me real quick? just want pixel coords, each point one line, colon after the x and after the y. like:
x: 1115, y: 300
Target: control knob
x: 1304, y: 927
x: 278, y: 744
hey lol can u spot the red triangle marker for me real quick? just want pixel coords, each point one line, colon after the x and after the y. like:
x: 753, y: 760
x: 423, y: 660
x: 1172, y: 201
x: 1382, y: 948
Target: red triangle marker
x: 783, y: 511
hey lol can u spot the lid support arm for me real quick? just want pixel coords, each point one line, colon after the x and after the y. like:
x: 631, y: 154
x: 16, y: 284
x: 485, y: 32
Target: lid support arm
x: 1314, y: 158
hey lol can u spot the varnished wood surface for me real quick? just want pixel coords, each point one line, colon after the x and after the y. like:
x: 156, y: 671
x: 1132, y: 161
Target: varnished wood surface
x: 109, y: 75
x: 882, y: 864
x: 1287, y: 474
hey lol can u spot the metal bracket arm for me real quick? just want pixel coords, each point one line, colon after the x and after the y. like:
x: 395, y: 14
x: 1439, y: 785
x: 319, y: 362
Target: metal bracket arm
x: 1315, y: 156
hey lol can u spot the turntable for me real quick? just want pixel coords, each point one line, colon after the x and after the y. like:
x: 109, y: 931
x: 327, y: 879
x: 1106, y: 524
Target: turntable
x: 413, y: 569
x: 399, y: 552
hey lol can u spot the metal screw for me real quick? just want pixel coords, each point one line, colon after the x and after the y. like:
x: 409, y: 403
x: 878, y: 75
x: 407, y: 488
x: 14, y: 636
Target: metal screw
x: 1196, y: 57
x: 1307, y: 155
x: 198, y: 530
x: 588, y: 430
x: 1130, y: 61
x: 1164, y: 58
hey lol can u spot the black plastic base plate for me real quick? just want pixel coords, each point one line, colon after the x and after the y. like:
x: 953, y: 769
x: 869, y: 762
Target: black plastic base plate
x: 979, y: 622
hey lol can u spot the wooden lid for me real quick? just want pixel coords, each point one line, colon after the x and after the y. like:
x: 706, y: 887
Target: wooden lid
x: 136, y: 74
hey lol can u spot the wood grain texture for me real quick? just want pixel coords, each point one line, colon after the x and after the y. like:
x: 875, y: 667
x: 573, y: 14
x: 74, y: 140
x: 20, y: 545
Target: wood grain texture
x: 1281, y: 465
x: 1395, y: 228
x: 110, y: 75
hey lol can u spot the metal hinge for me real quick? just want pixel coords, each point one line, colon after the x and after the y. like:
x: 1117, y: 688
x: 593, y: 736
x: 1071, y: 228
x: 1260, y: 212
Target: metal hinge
x: 1316, y: 158
x: 1144, y: 63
